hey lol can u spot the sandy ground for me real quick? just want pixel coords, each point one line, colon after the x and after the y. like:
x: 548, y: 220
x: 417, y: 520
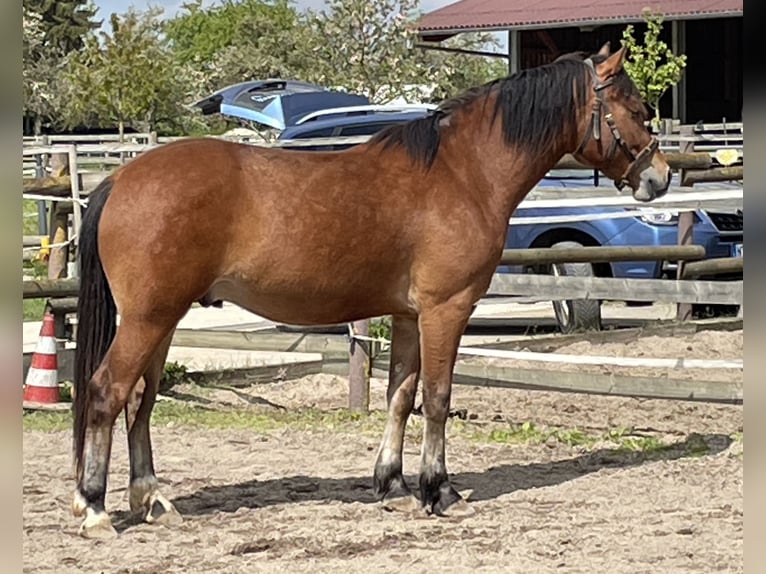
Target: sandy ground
x: 300, y: 501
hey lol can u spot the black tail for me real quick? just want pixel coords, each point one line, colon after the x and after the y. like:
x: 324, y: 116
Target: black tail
x: 96, y: 312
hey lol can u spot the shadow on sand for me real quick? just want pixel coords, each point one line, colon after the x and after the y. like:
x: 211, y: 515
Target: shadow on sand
x: 486, y: 485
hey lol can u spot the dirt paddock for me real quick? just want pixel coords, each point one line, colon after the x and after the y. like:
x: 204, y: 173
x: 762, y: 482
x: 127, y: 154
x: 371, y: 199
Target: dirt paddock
x: 656, y: 487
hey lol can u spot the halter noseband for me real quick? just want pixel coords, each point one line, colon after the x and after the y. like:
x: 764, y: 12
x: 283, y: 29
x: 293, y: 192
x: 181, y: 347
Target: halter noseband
x: 594, y: 127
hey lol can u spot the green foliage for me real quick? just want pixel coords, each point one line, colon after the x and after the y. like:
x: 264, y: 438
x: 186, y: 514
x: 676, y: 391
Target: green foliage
x: 364, y: 46
x: 42, y: 62
x: 33, y: 309
x: 381, y: 328
x: 147, y: 70
x: 173, y: 374
x: 124, y: 77
x: 652, y: 65
x: 63, y: 23
x: 454, y: 73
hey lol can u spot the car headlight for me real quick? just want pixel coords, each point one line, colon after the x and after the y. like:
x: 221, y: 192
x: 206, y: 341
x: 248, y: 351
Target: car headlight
x: 660, y: 217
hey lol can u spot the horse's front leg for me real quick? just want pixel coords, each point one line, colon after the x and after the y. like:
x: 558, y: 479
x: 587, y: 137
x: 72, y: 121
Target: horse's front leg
x: 388, y: 481
x: 441, y: 328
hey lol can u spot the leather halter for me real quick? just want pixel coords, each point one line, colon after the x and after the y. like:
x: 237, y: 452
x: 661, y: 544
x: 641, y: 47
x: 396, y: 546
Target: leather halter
x: 638, y: 162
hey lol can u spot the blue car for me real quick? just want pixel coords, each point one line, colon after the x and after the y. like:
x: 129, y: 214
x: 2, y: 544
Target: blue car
x: 721, y: 233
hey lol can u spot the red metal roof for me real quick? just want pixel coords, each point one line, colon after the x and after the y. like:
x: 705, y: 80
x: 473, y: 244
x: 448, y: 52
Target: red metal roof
x: 468, y: 15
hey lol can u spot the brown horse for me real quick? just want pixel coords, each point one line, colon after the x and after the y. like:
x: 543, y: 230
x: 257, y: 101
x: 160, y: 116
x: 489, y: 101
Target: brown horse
x: 411, y: 224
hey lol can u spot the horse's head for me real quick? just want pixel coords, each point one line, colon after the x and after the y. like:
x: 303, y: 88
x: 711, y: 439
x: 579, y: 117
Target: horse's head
x: 614, y: 136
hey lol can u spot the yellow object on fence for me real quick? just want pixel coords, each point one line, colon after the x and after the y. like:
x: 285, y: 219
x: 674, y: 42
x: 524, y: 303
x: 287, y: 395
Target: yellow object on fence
x: 45, y: 249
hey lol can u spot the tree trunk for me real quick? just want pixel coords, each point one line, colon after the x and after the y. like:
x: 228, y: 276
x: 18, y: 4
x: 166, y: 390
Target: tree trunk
x: 121, y: 128
x: 38, y: 125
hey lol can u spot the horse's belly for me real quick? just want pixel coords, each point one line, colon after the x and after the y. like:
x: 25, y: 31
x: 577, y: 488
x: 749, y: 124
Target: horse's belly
x: 306, y: 304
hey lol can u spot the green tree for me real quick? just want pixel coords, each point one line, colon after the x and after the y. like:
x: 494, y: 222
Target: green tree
x: 366, y: 46
x: 41, y: 67
x: 235, y: 41
x: 64, y: 23
x: 652, y: 65
x: 126, y: 77
x: 369, y: 47
x: 453, y: 73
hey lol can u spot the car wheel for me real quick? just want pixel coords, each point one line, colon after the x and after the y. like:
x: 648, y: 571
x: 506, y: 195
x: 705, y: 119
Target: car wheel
x: 576, y: 314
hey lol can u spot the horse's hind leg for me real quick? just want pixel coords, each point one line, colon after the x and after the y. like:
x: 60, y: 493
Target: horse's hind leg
x: 108, y: 390
x: 143, y: 489
x: 388, y: 482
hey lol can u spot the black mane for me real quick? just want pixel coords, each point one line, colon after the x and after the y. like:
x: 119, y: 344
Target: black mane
x: 533, y: 104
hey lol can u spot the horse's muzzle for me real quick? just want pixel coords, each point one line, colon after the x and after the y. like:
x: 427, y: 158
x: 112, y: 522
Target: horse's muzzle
x: 653, y: 183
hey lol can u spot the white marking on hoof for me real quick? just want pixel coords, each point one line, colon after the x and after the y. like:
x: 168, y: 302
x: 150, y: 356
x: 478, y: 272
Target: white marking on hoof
x: 170, y: 516
x: 79, y: 504
x: 140, y: 492
x: 97, y: 526
x: 459, y: 509
x: 406, y: 504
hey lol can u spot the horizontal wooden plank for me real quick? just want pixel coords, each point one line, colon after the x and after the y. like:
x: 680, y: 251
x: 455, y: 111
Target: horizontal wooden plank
x: 717, y: 266
x: 500, y: 376
x: 590, y: 383
x: 257, y: 374
x: 331, y: 346
x: 548, y: 255
x: 608, y: 288
x: 598, y: 197
x: 714, y: 174
x: 654, y: 328
x: 648, y: 362
x: 43, y: 288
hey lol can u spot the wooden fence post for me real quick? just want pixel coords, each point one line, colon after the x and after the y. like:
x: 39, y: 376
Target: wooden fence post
x: 685, y: 222
x: 59, y: 223
x: 359, y: 368
x: 42, y: 208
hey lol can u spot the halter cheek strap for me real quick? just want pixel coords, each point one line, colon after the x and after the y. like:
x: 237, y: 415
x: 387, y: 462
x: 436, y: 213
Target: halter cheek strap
x: 638, y: 162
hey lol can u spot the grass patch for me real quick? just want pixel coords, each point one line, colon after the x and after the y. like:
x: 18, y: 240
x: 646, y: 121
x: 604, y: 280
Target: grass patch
x: 528, y: 432
x: 34, y: 309
x: 173, y: 413
x: 262, y: 421
x: 31, y: 223
x: 46, y: 421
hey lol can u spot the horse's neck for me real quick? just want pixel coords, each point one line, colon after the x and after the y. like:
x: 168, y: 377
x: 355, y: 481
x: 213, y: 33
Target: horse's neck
x: 504, y: 174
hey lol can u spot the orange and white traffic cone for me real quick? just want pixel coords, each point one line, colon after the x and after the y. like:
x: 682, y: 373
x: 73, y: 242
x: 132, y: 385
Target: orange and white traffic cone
x: 42, y: 384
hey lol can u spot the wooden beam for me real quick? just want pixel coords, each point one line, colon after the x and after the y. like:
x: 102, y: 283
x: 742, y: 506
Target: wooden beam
x: 549, y: 343
x: 332, y: 347
x: 734, y: 173
x: 246, y: 376
x: 676, y: 160
x: 439, y: 48
x: 599, y: 288
x: 41, y: 288
x: 716, y: 266
x: 593, y: 383
x: 546, y: 255
x: 499, y: 376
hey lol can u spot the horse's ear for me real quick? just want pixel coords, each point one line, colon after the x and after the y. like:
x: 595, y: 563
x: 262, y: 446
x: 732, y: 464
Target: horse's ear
x: 604, y: 51
x: 613, y: 64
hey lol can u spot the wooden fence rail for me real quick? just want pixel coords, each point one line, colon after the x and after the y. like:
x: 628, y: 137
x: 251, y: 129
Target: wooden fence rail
x: 560, y: 288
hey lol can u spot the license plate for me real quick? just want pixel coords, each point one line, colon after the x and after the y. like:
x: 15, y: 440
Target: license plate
x: 739, y: 250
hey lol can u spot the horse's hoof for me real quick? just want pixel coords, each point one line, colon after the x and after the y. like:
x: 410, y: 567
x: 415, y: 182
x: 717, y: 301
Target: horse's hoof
x: 406, y: 504
x: 459, y: 509
x: 162, y: 512
x: 97, y: 526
